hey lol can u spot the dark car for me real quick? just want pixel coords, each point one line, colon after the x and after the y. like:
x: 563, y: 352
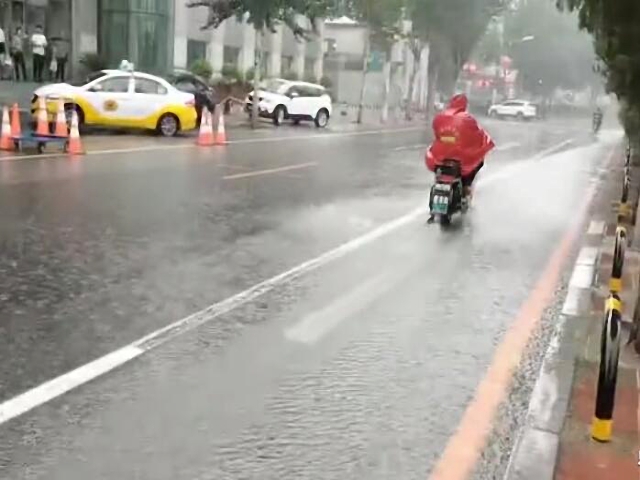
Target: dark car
x: 205, y: 95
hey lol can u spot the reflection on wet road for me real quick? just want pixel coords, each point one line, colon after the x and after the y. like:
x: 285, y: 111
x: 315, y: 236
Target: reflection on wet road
x: 356, y: 362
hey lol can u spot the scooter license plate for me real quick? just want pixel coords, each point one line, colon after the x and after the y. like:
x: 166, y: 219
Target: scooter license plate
x: 440, y: 204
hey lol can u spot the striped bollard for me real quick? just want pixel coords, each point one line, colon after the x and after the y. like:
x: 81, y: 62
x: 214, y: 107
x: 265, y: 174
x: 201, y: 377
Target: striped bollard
x: 602, y: 425
x: 615, y: 282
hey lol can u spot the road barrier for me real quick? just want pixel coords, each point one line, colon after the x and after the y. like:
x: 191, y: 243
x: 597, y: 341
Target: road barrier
x: 602, y: 425
x: 625, y: 210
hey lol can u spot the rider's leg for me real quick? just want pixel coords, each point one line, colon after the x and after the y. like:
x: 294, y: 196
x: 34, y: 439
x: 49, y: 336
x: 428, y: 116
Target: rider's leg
x: 467, y: 182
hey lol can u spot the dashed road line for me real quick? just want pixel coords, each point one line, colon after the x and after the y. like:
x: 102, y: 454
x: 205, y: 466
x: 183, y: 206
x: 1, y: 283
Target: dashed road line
x: 270, y: 171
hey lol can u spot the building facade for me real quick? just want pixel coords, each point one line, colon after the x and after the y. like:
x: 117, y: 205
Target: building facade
x: 158, y: 35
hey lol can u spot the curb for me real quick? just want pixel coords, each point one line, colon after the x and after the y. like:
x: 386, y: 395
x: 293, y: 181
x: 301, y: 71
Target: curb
x: 535, y: 452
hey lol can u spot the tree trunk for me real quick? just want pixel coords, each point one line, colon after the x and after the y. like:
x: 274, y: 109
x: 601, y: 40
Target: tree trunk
x: 365, y: 68
x: 257, y: 70
x: 408, y: 114
x: 384, y: 116
x: 431, y: 85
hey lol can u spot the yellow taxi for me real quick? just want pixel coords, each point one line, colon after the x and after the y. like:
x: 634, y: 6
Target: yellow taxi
x: 119, y: 98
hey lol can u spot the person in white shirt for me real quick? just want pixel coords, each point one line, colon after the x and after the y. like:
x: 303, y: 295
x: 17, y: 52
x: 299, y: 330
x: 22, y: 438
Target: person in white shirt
x: 38, y: 46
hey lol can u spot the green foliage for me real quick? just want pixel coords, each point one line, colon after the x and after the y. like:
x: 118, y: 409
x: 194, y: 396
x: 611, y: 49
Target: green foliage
x: 202, y: 68
x: 265, y: 14
x: 382, y: 17
x: 231, y: 73
x: 326, y: 82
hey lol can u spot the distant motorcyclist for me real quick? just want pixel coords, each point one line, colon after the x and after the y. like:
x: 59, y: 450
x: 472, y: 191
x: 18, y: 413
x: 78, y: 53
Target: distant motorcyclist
x: 597, y: 119
x: 459, y: 137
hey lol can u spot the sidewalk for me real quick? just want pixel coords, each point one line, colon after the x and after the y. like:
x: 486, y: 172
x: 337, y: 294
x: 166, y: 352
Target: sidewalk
x: 556, y: 440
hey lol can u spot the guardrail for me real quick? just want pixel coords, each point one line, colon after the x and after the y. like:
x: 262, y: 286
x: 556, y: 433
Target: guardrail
x: 602, y: 425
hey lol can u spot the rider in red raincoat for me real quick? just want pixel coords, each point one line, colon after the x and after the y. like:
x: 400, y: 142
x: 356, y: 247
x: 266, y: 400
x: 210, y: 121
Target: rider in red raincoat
x: 459, y: 137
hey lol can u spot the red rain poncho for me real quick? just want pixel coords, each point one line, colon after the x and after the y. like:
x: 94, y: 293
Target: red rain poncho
x: 458, y: 137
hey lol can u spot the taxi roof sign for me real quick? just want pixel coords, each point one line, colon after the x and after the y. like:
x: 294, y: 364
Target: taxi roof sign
x: 126, y: 66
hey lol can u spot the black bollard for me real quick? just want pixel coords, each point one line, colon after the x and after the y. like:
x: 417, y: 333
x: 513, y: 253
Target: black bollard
x: 602, y: 425
x: 615, y: 282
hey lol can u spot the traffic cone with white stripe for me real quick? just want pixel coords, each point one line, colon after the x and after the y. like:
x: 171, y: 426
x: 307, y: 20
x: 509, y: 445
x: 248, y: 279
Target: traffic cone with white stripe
x: 42, y: 127
x: 6, y: 143
x: 205, y: 137
x: 221, y: 134
x: 61, y: 121
x: 74, y: 146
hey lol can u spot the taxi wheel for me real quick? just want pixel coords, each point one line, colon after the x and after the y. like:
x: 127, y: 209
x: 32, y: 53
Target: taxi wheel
x: 168, y: 125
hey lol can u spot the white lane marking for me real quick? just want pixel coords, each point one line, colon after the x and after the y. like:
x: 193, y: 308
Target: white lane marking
x: 552, y: 149
x: 270, y: 171
x: 65, y: 383
x: 596, y: 227
x: 58, y: 386
x: 410, y: 147
x: 507, y: 146
x: 587, y: 256
x: 151, y: 148
x: 582, y: 276
x: 315, y: 326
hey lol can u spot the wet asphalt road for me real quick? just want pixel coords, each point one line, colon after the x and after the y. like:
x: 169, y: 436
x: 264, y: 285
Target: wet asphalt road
x: 359, y: 369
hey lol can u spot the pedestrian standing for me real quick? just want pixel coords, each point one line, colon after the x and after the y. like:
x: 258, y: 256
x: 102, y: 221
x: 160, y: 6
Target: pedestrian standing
x: 61, y: 56
x: 53, y: 63
x: 38, y: 46
x: 17, y: 52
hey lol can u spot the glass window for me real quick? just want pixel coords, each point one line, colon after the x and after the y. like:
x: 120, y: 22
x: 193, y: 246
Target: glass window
x: 114, y: 85
x: 136, y: 30
x: 196, y: 50
x: 185, y: 85
x: 150, y: 87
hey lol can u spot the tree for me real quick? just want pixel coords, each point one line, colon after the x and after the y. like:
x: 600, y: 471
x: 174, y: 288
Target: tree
x: 554, y: 53
x: 264, y: 15
x: 451, y: 29
x: 382, y: 20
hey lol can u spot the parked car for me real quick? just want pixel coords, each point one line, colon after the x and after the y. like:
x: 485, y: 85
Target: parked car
x: 520, y: 109
x: 119, y: 98
x: 205, y: 94
x: 282, y: 100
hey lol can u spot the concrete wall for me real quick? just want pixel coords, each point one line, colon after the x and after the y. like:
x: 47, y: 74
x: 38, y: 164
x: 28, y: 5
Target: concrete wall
x: 349, y: 39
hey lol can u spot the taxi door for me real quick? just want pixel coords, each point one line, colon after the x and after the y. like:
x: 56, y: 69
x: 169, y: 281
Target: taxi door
x: 150, y: 97
x: 112, y: 99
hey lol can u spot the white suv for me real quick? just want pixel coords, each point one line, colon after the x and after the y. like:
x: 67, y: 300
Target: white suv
x: 519, y: 109
x: 281, y: 100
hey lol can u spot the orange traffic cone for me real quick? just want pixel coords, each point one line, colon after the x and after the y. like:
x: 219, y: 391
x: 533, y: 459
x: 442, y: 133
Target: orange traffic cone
x: 43, y: 118
x: 75, y: 145
x: 205, y: 137
x: 61, y: 121
x: 221, y: 135
x: 6, y: 143
x: 16, y: 130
